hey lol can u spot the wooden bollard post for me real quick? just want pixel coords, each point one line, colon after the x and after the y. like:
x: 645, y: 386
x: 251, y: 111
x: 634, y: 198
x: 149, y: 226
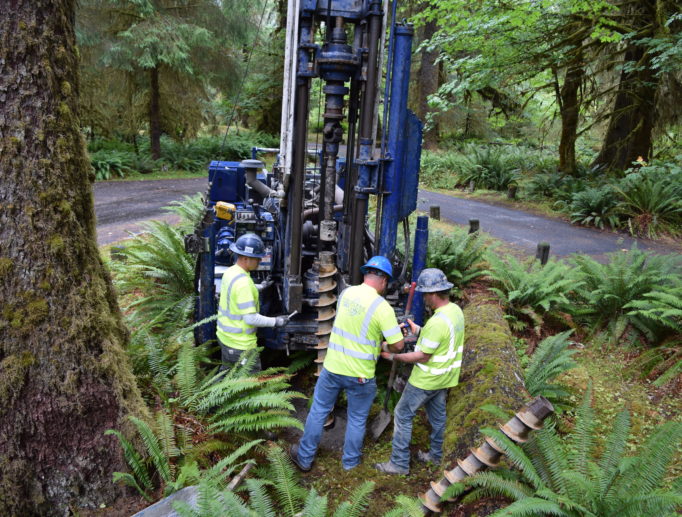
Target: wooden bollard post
x: 474, y: 225
x: 117, y: 253
x: 434, y: 212
x: 542, y: 253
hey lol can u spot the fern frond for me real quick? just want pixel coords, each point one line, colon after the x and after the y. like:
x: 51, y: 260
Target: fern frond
x: 315, y: 505
x: 289, y: 494
x: 495, y: 485
x: 186, y: 376
x: 406, y: 507
x: 656, y: 503
x: 128, y: 479
x: 645, y: 472
x: 219, y: 472
x: 358, y: 501
x: 615, y: 447
x: 259, y: 500
x: 582, y: 437
x: 153, y: 447
x: 531, y: 507
x: 516, y: 456
x: 134, y: 460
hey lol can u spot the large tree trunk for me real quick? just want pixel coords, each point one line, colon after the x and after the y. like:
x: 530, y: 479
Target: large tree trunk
x: 429, y: 75
x: 631, y: 124
x: 64, y: 377
x: 570, y: 112
x: 154, y: 113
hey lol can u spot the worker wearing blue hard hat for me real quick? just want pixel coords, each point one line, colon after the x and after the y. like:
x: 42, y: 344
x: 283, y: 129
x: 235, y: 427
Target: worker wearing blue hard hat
x: 363, y: 320
x: 238, y: 307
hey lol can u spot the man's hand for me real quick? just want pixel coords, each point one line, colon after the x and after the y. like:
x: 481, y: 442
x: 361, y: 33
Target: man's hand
x: 414, y: 328
x: 280, y: 321
x: 387, y: 355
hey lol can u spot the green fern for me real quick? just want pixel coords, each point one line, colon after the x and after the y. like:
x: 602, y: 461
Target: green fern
x: 459, y: 255
x: 529, y: 293
x: 237, y: 401
x: 157, y: 277
x: 551, y: 358
x: 140, y: 479
x: 557, y: 475
x: 277, y: 492
x: 190, y: 210
x: 606, y: 291
x: 663, y: 308
x: 360, y: 500
x: 162, y: 459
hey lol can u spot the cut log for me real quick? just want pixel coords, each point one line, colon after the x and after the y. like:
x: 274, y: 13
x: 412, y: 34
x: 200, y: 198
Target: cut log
x: 491, y: 374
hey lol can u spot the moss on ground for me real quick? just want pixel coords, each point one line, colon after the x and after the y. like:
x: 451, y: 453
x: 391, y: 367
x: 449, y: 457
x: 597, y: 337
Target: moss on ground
x: 491, y: 374
x: 616, y: 386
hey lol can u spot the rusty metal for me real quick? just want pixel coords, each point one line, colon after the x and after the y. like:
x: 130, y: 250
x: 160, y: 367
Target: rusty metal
x: 324, y: 272
x: 530, y: 417
x: 516, y: 430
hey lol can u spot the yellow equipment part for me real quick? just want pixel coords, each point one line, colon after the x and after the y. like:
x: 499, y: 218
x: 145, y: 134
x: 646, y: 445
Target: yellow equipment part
x: 225, y: 210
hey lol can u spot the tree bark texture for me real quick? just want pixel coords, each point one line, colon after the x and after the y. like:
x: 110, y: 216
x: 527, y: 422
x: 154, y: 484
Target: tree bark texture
x: 154, y: 113
x: 630, y: 131
x: 429, y: 75
x: 490, y: 374
x: 570, y: 113
x: 64, y: 376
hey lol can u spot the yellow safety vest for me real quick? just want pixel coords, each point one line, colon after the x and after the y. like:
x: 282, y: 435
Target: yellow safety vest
x: 363, y: 319
x: 238, y: 296
x: 443, y: 338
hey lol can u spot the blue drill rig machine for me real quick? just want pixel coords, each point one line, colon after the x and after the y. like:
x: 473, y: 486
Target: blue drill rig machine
x: 315, y: 219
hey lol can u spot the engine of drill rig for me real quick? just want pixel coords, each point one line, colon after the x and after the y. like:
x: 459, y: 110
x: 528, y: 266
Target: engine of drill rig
x: 312, y: 210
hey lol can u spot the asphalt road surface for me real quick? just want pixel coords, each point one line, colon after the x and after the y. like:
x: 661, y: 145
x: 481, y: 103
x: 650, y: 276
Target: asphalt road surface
x: 123, y: 206
x: 526, y: 230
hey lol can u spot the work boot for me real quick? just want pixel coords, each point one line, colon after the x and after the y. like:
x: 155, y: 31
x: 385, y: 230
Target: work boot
x: 391, y: 468
x: 329, y: 423
x: 293, y: 454
x: 425, y: 457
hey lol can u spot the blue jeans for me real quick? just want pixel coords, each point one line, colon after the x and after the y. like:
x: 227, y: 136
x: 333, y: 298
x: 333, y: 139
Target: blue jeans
x: 412, y: 399
x: 360, y: 396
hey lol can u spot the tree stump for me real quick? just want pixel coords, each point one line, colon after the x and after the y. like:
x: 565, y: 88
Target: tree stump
x: 491, y: 374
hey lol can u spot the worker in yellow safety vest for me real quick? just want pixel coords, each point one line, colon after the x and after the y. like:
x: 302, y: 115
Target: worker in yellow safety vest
x: 363, y: 320
x: 238, y: 307
x: 437, y: 358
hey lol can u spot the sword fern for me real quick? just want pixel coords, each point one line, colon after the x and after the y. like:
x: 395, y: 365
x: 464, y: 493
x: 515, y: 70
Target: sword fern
x: 565, y: 476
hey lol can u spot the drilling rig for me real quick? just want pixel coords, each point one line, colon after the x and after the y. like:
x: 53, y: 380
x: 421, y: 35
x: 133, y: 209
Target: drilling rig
x: 322, y: 219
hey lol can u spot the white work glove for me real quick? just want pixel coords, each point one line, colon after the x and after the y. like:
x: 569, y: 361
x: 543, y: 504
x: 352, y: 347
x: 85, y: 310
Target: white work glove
x: 280, y: 321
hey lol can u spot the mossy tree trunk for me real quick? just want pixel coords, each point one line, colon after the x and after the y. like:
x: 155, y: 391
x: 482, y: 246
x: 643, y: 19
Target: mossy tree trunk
x: 629, y: 134
x: 570, y: 113
x: 429, y: 75
x: 490, y: 374
x: 154, y: 113
x: 64, y: 376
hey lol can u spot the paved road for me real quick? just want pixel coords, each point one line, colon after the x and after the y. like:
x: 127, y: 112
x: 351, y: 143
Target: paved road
x: 526, y: 230
x: 122, y: 206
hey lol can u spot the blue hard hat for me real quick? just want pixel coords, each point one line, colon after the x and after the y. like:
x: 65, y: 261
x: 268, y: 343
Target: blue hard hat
x: 380, y: 264
x: 432, y: 280
x: 249, y: 245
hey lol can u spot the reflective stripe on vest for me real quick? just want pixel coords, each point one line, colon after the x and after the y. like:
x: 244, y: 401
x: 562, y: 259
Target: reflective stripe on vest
x: 362, y: 338
x: 236, y: 330
x: 225, y: 311
x: 352, y: 353
x: 451, y: 353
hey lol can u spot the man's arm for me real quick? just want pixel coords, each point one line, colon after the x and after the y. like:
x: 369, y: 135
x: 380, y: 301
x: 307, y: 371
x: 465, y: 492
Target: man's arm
x: 411, y: 357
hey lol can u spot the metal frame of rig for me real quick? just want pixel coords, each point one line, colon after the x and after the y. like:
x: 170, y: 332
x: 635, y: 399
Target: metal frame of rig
x: 313, y: 218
